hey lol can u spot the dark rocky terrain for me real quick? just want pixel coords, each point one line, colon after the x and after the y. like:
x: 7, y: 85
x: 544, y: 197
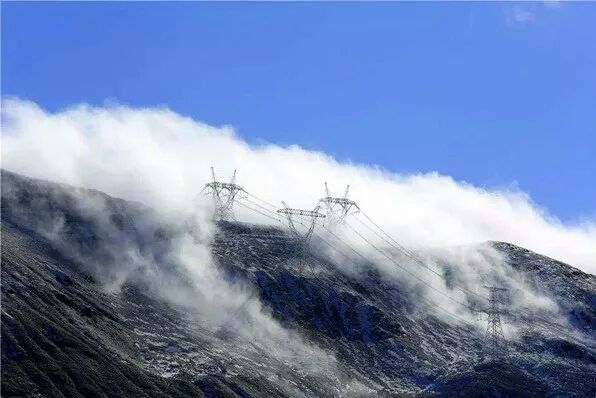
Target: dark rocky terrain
x: 65, y: 334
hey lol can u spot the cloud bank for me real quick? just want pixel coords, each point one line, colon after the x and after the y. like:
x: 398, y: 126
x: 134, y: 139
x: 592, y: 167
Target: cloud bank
x: 163, y: 159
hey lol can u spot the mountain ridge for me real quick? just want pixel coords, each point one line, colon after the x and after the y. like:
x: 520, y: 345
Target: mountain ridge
x: 372, y: 327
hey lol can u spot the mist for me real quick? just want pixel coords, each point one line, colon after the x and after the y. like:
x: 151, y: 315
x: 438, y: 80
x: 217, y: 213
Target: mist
x: 168, y: 258
x: 163, y: 159
x: 160, y: 158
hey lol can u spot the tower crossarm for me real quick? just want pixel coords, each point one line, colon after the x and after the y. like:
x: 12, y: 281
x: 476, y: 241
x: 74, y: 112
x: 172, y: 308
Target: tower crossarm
x: 340, y: 201
x: 224, y: 185
x: 494, y: 310
x: 300, y: 212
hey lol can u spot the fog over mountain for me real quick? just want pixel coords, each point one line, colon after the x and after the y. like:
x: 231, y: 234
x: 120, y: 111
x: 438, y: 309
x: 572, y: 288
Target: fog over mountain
x: 163, y: 159
x: 111, y: 259
x: 106, y: 297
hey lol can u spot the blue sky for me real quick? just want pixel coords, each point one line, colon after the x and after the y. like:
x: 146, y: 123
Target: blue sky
x: 491, y: 93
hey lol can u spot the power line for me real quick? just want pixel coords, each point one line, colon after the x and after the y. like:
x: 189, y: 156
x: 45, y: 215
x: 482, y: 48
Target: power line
x: 399, y: 292
x: 257, y: 211
x: 367, y: 260
x: 405, y: 269
x: 549, y: 321
x: 382, y: 230
x: 560, y: 328
x: 387, y: 239
x: 259, y: 206
x: 344, y: 243
x: 237, y: 312
x: 457, y: 317
x: 392, y: 242
x: 262, y: 200
x: 415, y: 258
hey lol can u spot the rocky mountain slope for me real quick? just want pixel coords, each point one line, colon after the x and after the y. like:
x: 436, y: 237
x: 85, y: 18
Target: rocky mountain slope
x: 65, y: 332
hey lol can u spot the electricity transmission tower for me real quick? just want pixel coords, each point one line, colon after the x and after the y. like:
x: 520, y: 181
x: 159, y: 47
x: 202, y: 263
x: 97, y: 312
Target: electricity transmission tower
x: 494, y: 330
x: 308, y: 218
x: 224, y: 194
x: 311, y: 215
x: 338, y: 208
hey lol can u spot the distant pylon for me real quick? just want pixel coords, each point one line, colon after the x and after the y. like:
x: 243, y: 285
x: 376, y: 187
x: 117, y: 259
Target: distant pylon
x: 311, y: 215
x: 303, y: 238
x: 224, y: 194
x: 494, y: 330
x: 338, y: 209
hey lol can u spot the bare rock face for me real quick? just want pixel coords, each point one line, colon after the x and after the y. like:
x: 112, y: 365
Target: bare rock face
x: 67, y: 332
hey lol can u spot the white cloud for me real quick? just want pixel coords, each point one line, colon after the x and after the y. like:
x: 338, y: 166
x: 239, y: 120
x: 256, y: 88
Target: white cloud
x: 140, y: 155
x: 161, y: 158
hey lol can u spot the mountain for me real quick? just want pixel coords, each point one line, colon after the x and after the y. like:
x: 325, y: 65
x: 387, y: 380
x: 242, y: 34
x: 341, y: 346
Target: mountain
x: 84, y: 315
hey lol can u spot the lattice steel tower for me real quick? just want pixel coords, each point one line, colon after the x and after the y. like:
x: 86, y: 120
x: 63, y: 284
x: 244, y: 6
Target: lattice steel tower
x: 338, y: 209
x: 224, y: 194
x: 494, y: 330
x: 310, y: 215
x: 310, y: 220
